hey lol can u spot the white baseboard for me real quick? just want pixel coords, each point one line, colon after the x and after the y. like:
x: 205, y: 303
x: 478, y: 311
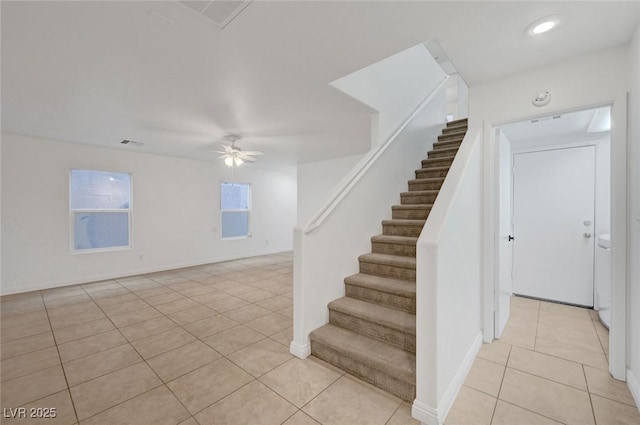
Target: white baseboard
x: 634, y: 387
x: 301, y: 351
x: 436, y: 416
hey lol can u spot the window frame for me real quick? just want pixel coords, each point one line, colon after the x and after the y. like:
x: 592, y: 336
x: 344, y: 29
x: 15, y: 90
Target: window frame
x: 248, y: 211
x: 73, y: 212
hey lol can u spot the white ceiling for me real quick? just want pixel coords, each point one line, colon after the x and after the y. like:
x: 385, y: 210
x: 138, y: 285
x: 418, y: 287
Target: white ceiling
x: 155, y: 72
x: 555, y: 129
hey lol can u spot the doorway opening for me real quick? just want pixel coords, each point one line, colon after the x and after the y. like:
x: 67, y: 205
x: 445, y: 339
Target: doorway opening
x: 553, y: 211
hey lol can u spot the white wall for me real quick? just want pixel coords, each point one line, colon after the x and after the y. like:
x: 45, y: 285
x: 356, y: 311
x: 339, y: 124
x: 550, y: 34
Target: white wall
x: 591, y: 80
x: 449, y: 286
x: 394, y: 87
x: 175, y: 213
x: 315, y: 181
x: 633, y: 374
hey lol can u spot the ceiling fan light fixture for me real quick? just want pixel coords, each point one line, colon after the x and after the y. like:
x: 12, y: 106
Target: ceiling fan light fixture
x: 238, y: 161
x: 228, y: 161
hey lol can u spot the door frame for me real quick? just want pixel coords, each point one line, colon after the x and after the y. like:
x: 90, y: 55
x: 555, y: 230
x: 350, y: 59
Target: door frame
x: 619, y: 196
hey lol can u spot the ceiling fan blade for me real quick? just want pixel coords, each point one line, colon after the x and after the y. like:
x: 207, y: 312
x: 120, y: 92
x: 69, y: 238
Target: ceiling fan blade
x: 248, y: 159
x: 224, y: 156
x: 256, y: 153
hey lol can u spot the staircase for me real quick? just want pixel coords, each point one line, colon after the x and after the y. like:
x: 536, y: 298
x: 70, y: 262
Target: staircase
x: 372, y: 330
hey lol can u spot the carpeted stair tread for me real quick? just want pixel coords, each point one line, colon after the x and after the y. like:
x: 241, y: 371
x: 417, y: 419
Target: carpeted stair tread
x: 388, y: 359
x: 405, y: 240
x: 428, y: 180
x: 412, y: 206
x: 436, y: 168
x: 398, y: 287
x: 429, y: 162
x: 419, y: 192
x: 400, y: 222
x: 375, y: 313
x: 457, y: 122
x: 451, y: 151
x: 446, y: 144
x: 391, y: 260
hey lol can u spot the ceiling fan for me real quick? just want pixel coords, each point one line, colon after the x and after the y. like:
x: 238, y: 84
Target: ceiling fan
x: 233, y: 155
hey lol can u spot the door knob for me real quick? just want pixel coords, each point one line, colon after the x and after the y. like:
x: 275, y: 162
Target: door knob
x: 586, y: 235
x: 510, y: 238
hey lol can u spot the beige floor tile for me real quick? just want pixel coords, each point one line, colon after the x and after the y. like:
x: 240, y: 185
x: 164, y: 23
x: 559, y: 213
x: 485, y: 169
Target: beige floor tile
x: 64, y: 301
x: 270, y: 324
x: 287, y: 312
x: 523, y: 313
x: 549, y: 367
x: 247, y: 313
x: 283, y: 337
x: 602, y: 383
x: 190, y: 421
x: 116, y: 309
x: 226, y: 342
x: 90, y: 345
x: 570, y: 335
x: 301, y: 418
x: 148, y: 328
x: 525, y: 303
x: 238, y: 289
x: 180, y: 361
x: 604, y: 342
x: 165, y: 298
x: 347, y: 402
x: 24, y: 319
x: 509, y: 414
x: 133, y: 317
x: 520, y: 333
x: 584, y: 323
x: 162, y: 342
x: 82, y: 330
x: 26, y: 345
x: 208, y: 384
x: 471, y: 407
x: 179, y: 305
x: 148, y: 293
x: 547, y: 398
x: 254, y: 403
x: 70, y: 318
x: 496, y: 352
x: 155, y: 407
x: 255, y: 295
x: 261, y: 357
x: 571, y: 352
x: 190, y: 315
x: 23, y: 304
x: 275, y: 303
x: 124, y: 298
x: 19, y: 332
x: 108, y: 293
x: 106, y: 391
x: 55, y: 409
x: 609, y: 412
x: 67, y: 291
x: 485, y: 376
x: 565, y: 310
x: 100, y: 286
x: 299, y: 381
x: 224, y: 302
x: 210, y: 326
x: 89, y: 367
x: 402, y: 416
x: 28, y: 363
x: 61, y: 312
x: 20, y: 391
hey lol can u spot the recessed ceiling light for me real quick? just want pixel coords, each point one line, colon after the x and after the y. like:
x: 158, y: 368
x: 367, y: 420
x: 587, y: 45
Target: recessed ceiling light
x: 543, y: 25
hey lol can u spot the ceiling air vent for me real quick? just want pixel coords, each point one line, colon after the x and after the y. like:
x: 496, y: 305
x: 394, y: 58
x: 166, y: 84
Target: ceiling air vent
x: 221, y: 12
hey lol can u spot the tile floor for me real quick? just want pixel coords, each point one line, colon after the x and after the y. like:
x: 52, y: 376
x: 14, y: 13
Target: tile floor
x: 549, y: 368
x: 209, y: 345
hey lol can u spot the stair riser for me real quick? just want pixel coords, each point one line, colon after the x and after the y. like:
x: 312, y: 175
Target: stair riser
x: 409, y: 199
x: 417, y: 214
x: 373, y: 330
x: 400, y: 230
x: 451, y: 137
x: 383, y: 298
x: 425, y: 185
x: 445, y: 145
x: 436, y: 162
x: 393, y: 249
x: 441, y: 153
x: 454, y: 129
x: 404, y: 389
x: 426, y: 173
x: 386, y: 270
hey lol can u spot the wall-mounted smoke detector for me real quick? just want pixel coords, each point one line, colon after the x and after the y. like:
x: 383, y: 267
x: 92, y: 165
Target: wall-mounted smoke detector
x: 132, y: 143
x: 542, y: 98
x: 221, y: 12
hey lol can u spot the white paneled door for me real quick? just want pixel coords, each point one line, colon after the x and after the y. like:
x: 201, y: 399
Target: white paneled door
x: 553, y: 213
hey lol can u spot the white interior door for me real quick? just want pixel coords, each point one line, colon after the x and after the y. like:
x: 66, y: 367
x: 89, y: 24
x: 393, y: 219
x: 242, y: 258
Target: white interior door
x: 553, y: 212
x: 504, y: 288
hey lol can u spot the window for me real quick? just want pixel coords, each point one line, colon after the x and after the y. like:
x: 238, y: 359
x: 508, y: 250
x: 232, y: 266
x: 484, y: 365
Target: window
x: 100, y: 210
x: 235, y: 201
